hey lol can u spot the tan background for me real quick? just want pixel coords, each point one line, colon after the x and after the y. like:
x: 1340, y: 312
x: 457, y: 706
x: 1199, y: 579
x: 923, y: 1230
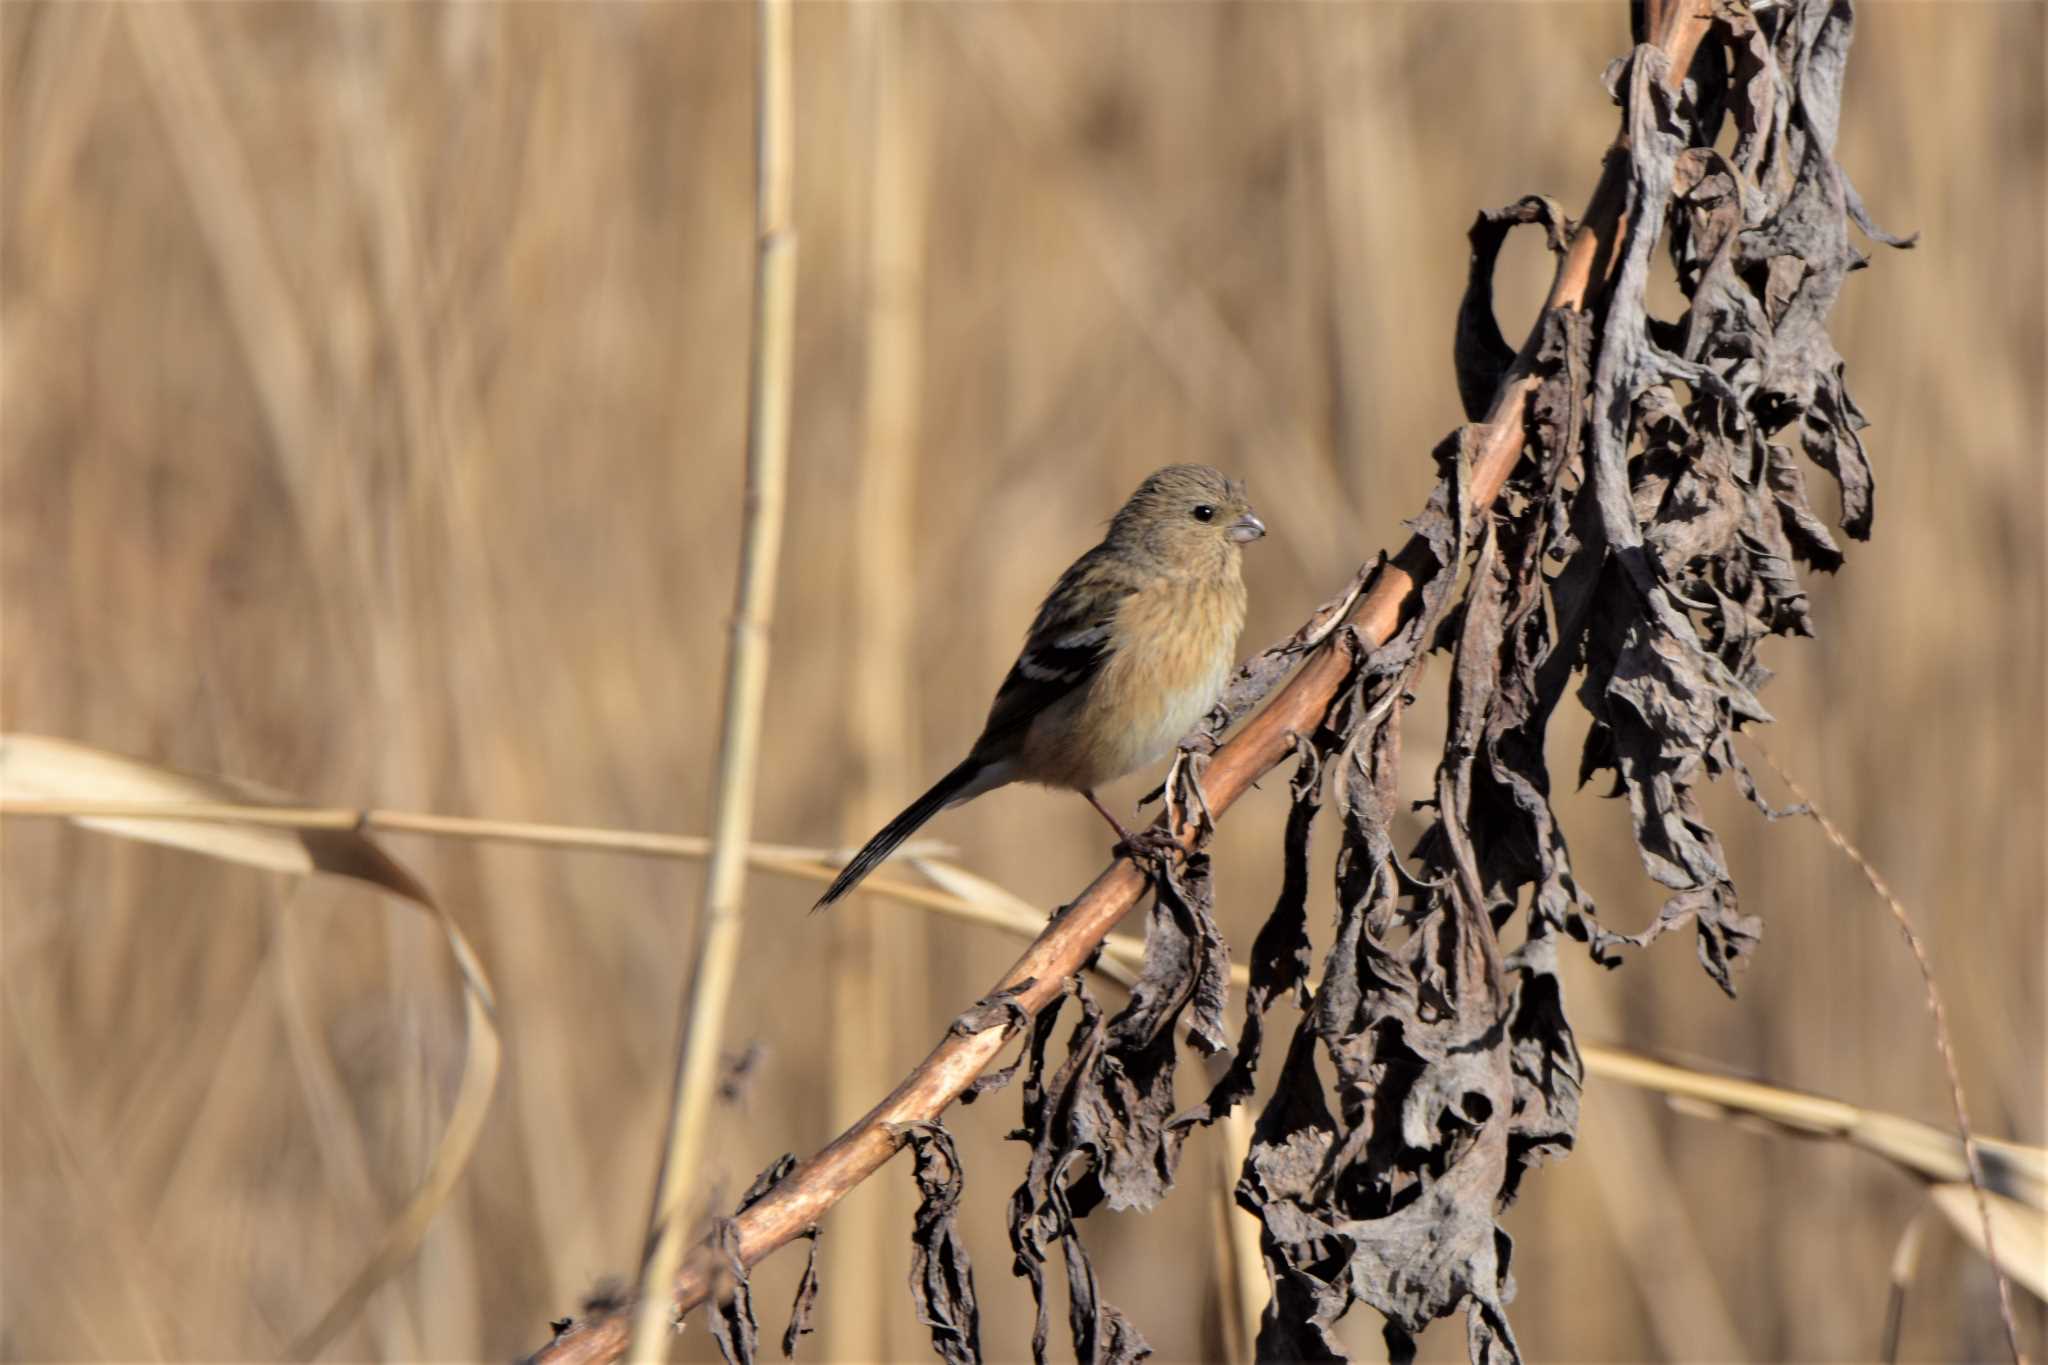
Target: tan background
x: 373, y: 407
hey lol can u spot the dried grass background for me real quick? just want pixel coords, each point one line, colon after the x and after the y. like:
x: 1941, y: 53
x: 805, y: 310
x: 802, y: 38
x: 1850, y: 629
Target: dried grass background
x: 371, y: 398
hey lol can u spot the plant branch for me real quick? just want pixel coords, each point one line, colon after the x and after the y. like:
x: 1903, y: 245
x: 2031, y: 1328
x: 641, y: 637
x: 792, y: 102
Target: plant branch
x: 374, y: 820
x: 1038, y: 977
x: 978, y: 904
x: 718, y: 928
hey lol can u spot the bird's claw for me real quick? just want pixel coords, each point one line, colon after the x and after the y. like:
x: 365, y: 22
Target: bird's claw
x: 1154, y: 846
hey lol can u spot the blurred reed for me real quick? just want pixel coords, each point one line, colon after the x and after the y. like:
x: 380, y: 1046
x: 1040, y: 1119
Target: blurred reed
x: 687, y: 1189
x: 881, y: 959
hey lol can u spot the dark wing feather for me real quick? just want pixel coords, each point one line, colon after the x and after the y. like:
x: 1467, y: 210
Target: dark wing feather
x: 1068, y: 642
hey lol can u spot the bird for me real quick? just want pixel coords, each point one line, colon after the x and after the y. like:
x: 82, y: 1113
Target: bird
x: 1128, y: 651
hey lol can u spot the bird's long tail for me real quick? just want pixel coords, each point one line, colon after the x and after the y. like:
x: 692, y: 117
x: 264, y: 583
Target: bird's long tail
x: 955, y: 785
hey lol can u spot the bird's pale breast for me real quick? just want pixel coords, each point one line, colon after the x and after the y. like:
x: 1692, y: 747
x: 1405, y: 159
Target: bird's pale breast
x: 1176, y: 645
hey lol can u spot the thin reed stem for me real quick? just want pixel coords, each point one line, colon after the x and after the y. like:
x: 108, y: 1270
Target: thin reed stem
x: 804, y: 862
x: 718, y: 930
x: 881, y: 979
x: 1972, y: 1158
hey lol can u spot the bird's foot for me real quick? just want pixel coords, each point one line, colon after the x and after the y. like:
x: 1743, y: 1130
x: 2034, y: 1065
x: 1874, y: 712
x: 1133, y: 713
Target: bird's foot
x: 1153, y: 849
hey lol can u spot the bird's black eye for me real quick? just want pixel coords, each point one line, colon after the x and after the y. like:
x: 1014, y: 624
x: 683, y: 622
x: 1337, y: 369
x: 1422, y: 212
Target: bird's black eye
x: 1204, y: 512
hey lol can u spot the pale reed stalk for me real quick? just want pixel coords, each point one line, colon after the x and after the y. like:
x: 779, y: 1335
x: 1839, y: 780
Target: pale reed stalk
x: 880, y: 961
x: 718, y: 929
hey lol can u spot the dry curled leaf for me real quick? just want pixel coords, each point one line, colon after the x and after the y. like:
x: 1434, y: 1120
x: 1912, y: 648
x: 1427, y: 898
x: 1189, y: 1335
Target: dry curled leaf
x: 733, y: 1328
x: 1647, y: 544
x: 1059, y: 1187
x: 805, y: 1305
x: 941, y: 1271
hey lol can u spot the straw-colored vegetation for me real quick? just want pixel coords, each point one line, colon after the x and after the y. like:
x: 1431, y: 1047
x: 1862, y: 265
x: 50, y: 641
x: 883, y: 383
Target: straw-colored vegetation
x: 374, y: 409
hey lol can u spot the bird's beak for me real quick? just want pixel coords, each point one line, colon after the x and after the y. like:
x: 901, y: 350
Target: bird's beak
x: 1247, y: 528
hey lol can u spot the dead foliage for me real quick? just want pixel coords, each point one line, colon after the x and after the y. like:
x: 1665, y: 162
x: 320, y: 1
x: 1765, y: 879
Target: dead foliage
x: 1649, y: 541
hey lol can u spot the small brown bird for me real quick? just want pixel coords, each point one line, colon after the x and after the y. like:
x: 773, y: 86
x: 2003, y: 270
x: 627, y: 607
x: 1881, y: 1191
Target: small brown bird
x: 1129, y: 650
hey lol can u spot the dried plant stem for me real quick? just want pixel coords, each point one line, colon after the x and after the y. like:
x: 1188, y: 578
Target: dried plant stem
x: 1905, y: 1265
x: 1037, y: 978
x: 972, y: 900
x: 1240, y: 1265
x: 716, y: 958
x: 880, y: 985
x: 372, y: 820
x: 1972, y: 1158
x: 791, y: 860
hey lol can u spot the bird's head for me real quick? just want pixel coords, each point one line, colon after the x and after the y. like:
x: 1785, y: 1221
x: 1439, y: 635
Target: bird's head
x: 1188, y: 514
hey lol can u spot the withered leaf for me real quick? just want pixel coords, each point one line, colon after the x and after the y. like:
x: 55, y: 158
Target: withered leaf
x: 1661, y: 480
x: 941, y: 1271
x: 1482, y: 355
x: 732, y: 1321
x: 805, y: 1304
x: 767, y: 1180
x: 1280, y: 953
x: 1075, y: 1126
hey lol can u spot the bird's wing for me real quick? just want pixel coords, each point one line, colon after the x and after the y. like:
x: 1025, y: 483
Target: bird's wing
x: 1068, y: 642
